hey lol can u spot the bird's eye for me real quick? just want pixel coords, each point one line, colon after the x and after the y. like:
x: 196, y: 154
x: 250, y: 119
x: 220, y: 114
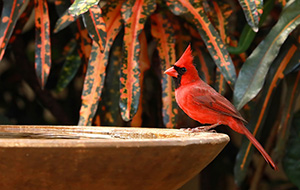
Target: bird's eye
x: 180, y: 70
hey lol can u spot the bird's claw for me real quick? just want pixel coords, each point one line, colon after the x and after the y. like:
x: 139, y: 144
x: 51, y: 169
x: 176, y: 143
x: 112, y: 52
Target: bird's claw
x: 201, y: 129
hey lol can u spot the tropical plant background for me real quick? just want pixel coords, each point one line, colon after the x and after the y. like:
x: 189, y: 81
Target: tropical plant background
x: 92, y: 62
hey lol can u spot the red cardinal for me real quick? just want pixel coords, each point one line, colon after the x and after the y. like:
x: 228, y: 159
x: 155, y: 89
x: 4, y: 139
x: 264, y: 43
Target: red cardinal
x: 203, y: 104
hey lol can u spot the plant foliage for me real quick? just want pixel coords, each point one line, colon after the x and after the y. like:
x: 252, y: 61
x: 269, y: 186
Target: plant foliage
x: 118, y: 44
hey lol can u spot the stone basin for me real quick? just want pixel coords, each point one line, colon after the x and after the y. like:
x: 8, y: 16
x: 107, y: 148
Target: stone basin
x: 117, y: 158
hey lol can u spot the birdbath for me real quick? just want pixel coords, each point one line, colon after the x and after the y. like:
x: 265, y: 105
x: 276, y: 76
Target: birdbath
x: 73, y: 157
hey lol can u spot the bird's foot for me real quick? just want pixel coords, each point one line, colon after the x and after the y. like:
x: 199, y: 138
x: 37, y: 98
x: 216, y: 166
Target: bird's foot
x: 202, y: 128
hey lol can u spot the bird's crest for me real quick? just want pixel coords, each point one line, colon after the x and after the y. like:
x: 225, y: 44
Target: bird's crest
x: 186, y: 60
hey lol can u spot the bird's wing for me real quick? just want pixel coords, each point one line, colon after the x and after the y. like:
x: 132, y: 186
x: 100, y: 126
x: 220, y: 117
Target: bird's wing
x: 211, y: 99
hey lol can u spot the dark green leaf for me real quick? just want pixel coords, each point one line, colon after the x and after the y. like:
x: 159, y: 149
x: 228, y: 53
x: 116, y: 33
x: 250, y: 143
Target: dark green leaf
x: 70, y: 67
x: 280, y: 68
x: 291, y: 161
x: 252, y: 75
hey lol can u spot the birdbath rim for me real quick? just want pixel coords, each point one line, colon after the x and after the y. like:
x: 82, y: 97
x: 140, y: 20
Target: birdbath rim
x: 83, y: 136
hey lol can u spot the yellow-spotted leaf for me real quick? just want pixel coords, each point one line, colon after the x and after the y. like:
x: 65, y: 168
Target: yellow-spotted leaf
x: 163, y: 32
x: 253, y: 72
x: 42, y: 41
x: 193, y: 11
x: 95, y: 25
x: 81, y: 6
x: 9, y: 17
x: 134, y: 15
x: 70, y: 67
x: 95, y: 75
x: 251, y: 12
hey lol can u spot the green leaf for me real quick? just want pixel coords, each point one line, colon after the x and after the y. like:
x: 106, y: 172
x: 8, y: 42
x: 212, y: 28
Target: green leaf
x: 292, y: 82
x: 253, y: 72
x: 193, y: 11
x: 9, y: 16
x: 70, y: 67
x: 282, y: 66
x: 134, y: 15
x: 291, y: 161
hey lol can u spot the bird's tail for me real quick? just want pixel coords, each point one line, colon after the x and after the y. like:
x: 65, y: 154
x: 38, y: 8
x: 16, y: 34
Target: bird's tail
x: 259, y: 147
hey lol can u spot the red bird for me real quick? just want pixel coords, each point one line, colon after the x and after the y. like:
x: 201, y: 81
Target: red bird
x: 203, y: 104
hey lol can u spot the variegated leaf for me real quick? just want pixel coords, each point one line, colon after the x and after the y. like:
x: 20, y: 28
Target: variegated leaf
x: 220, y: 84
x: 193, y: 11
x: 163, y: 32
x: 109, y: 109
x: 144, y: 66
x: 95, y: 25
x: 204, y: 63
x: 95, y: 74
x: 42, y: 41
x: 81, y: 6
x: 248, y: 35
x: 84, y: 41
x: 24, y: 17
x: 65, y: 20
x: 9, y: 16
x: 220, y: 17
x: 134, y: 15
x: 222, y: 12
x: 251, y: 13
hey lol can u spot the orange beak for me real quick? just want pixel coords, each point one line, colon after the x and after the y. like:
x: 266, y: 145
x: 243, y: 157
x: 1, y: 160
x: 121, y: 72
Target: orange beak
x: 172, y: 72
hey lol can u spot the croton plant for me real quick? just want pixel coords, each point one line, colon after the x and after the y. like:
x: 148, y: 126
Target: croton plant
x: 248, y: 50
